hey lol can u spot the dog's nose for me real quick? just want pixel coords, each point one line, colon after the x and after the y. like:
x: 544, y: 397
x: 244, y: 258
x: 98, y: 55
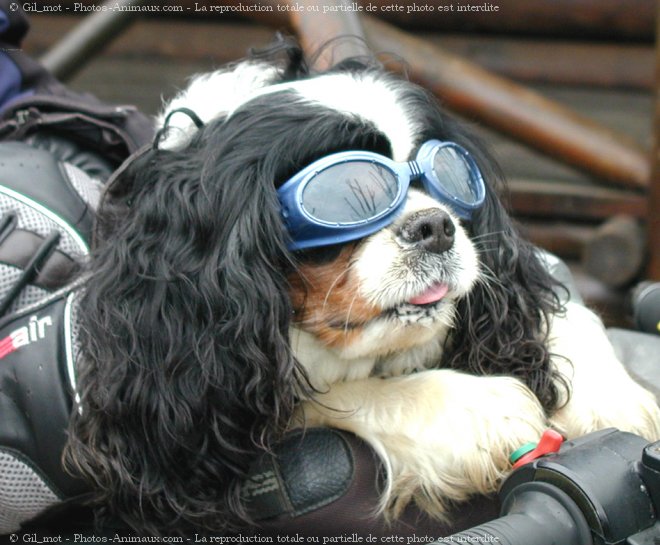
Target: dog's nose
x: 432, y: 229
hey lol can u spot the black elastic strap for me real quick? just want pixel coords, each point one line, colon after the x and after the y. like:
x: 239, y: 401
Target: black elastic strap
x: 166, y: 124
x: 31, y: 270
x: 7, y: 225
x: 192, y: 115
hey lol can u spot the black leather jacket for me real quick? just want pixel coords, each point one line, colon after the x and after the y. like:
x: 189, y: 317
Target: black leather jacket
x: 37, y: 383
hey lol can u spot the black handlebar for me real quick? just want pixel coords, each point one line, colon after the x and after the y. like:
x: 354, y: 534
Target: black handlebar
x: 646, y: 307
x: 600, y: 489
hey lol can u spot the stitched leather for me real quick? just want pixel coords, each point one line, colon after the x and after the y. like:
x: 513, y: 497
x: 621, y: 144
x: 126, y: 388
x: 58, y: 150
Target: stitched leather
x: 68, y: 151
x: 309, y: 469
x: 37, y: 175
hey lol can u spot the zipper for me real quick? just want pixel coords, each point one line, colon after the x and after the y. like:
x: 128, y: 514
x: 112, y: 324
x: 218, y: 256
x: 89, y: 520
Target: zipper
x: 22, y: 117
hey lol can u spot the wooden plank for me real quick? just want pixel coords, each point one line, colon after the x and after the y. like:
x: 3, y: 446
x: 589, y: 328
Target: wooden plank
x: 333, y: 36
x: 581, y: 19
x: 584, y: 19
x: 609, y: 65
x: 606, y: 65
x: 216, y: 41
x: 653, y: 223
x: 569, y: 201
x: 564, y: 239
x: 515, y: 110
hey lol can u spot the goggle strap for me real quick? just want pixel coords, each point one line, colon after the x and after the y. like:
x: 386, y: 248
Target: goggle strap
x: 415, y: 170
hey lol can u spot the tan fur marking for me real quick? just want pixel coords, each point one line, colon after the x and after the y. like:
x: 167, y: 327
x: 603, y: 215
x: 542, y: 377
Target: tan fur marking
x: 327, y: 302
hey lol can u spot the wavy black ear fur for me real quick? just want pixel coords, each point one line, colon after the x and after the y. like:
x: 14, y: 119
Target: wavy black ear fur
x: 187, y: 373
x: 187, y: 369
x: 504, y: 319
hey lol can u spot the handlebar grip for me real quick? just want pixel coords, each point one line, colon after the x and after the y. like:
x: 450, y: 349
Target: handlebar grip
x: 537, y: 513
x: 646, y: 307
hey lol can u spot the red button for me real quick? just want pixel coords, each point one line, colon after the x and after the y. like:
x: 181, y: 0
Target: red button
x: 550, y: 442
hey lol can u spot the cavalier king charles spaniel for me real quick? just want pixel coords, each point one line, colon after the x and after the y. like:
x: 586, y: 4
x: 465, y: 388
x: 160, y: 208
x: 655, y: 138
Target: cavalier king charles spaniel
x: 322, y: 249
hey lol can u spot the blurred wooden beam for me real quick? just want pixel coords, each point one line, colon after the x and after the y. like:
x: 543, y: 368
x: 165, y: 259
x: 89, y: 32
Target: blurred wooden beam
x: 653, y: 223
x: 536, y: 61
x: 613, y: 252
x: 564, y: 239
x: 581, y: 19
x: 568, y: 201
x: 611, y: 65
x: 81, y: 44
x: 320, y: 22
x: 515, y: 110
x: 616, y: 251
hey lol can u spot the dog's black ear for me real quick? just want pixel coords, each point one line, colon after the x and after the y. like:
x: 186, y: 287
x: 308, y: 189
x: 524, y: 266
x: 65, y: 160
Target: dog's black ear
x: 186, y: 367
x: 118, y: 193
x: 503, y: 325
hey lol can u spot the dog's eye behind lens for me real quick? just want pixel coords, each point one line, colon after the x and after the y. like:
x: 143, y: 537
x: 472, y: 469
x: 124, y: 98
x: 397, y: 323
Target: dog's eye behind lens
x: 319, y: 256
x: 350, y: 192
x: 453, y: 172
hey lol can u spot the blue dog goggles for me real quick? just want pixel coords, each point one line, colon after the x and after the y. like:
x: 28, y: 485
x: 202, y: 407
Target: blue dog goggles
x: 349, y: 195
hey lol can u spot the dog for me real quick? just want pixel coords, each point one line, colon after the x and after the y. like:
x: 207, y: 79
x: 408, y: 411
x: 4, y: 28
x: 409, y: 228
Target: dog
x: 217, y: 316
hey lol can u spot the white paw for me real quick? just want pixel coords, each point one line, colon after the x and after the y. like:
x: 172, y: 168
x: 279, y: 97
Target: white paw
x: 442, y: 435
x: 603, y: 395
x: 468, y: 443
x: 627, y: 408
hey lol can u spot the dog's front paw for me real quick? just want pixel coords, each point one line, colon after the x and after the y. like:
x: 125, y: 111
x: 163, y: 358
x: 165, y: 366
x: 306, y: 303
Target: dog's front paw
x: 602, y: 394
x: 468, y: 442
x: 627, y: 407
x: 443, y: 436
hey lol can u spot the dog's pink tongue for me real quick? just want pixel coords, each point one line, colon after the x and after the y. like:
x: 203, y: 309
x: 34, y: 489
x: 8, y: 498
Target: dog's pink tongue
x: 431, y: 295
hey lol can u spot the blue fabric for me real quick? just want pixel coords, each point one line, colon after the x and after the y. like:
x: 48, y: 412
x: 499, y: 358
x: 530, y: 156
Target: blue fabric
x: 4, y: 22
x: 10, y: 78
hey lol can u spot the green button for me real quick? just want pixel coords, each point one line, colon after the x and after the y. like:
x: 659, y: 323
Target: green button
x: 520, y: 452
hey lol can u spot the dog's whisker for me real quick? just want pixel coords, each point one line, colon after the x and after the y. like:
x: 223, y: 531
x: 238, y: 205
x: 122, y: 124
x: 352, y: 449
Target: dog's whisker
x: 487, y: 273
x: 487, y: 278
x: 482, y: 248
x: 332, y: 286
x: 304, y: 277
x: 486, y: 235
x: 348, y: 315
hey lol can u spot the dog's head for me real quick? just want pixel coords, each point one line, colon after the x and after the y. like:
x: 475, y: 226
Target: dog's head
x: 202, y: 326
x: 381, y: 302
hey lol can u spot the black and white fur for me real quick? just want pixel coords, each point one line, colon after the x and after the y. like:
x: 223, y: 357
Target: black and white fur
x: 202, y: 345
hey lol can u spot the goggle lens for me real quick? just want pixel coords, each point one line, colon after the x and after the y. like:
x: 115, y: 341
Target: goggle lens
x: 454, y: 174
x: 350, y: 192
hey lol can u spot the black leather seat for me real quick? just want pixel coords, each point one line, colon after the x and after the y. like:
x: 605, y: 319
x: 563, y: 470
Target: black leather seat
x: 323, y: 482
